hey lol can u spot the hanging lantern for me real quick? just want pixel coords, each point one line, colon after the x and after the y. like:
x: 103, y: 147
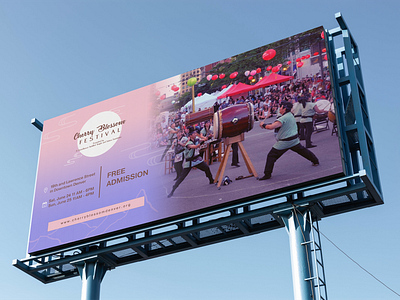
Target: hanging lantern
x: 254, y: 72
x: 316, y: 53
x: 209, y: 77
x: 215, y: 77
x: 258, y: 70
x: 174, y: 88
x: 199, y: 94
x: 233, y: 75
x: 192, y: 81
x: 269, y: 54
x: 250, y: 77
x: 303, y: 57
x: 288, y: 62
x: 324, y: 50
x: 275, y: 69
x: 223, y: 87
x: 308, y: 56
x: 300, y: 64
x: 325, y: 57
x: 158, y: 93
x: 162, y: 97
x: 322, y: 35
x: 221, y: 76
x: 247, y: 73
x: 269, y: 68
x: 298, y: 59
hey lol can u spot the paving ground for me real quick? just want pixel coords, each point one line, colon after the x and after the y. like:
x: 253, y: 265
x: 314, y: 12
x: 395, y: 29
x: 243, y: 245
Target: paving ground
x: 196, y: 193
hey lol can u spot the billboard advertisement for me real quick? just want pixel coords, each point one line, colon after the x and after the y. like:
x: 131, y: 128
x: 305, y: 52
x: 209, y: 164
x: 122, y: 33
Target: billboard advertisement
x: 145, y: 157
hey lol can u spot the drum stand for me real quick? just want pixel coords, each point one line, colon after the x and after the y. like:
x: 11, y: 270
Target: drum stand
x: 221, y: 170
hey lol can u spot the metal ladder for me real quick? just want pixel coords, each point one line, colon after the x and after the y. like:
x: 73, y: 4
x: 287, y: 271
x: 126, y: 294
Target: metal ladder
x: 318, y: 272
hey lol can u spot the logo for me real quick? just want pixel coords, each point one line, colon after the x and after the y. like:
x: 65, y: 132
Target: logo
x: 99, y: 134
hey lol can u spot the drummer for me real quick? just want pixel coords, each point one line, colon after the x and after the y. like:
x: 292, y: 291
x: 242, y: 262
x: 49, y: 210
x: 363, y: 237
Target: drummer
x: 287, y: 139
x: 306, y: 122
x: 296, y: 110
x: 192, y: 159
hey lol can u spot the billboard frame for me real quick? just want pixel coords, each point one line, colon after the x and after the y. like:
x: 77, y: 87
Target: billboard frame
x: 359, y: 189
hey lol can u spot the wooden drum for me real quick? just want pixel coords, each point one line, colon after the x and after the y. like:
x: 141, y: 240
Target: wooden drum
x: 199, y: 116
x: 233, y: 120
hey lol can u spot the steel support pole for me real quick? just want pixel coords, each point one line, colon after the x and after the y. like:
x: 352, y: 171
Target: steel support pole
x: 300, y: 253
x: 92, y: 273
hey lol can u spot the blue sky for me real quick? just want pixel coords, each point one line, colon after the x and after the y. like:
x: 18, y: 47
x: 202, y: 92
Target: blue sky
x: 59, y: 56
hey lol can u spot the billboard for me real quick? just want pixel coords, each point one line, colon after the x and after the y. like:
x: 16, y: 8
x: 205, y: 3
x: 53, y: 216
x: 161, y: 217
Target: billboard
x: 108, y: 167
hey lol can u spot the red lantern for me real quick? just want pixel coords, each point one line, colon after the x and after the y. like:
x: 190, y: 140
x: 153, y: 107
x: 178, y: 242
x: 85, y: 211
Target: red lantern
x: 250, y: 77
x: 308, y: 56
x: 300, y: 64
x: 269, y: 54
x: 223, y: 87
x: 221, y: 76
x: 215, y: 77
x: 162, y: 97
x: 158, y: 93
x: 324, y: 50
x: 269, y: 68
x: 275, y: 69
x: 233, y: 75
x: 175, y: 88
x: 322, y: 35
x: 303, y: 57
x: 288, y: 62
x: 325, y: 57
x: 298, y: 59
x: 316, y: 53
x: 199, y: 94
x: 258, y: 70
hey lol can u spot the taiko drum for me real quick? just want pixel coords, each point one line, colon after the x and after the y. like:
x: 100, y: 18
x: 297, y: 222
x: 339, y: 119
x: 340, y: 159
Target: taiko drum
x: 233, y: 120
x: 199, y: 116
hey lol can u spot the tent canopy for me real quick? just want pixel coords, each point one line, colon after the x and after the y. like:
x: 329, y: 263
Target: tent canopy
x: 272, y: 79
x: 237, y: 89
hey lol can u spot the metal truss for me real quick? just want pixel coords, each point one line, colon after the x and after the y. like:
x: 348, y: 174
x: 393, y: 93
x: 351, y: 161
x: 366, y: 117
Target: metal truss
x: 353, y: 117
x: 360, y: 188
x: 252, y: 217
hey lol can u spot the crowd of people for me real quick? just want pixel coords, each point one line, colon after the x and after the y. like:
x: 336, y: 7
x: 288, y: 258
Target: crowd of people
x: 297, y: 97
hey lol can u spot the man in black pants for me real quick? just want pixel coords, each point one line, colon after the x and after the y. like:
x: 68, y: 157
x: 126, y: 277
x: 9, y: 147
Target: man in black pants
x: 287, y: 139
x: 192, y: 159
